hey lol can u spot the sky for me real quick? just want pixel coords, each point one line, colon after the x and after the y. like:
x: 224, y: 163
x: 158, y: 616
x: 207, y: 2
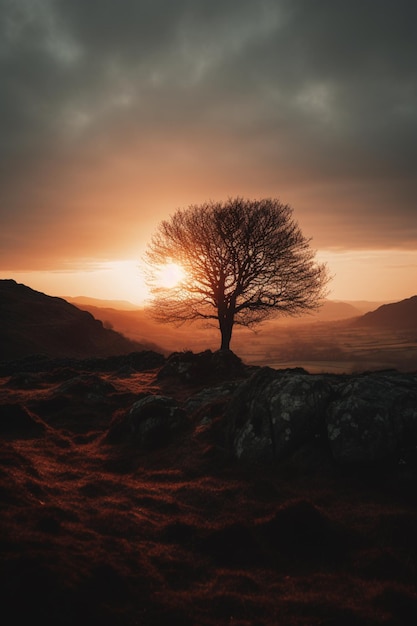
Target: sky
x: 115, y: 113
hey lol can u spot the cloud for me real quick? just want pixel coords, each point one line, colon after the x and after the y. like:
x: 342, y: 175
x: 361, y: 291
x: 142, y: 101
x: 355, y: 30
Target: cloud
x: 114, y: 113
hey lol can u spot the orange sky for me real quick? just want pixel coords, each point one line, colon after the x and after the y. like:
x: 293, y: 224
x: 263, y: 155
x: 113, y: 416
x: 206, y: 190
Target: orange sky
x: 112, y: 117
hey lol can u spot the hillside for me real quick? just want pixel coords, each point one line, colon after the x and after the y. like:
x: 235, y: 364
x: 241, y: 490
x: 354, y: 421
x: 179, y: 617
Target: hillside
x: 330, y: 309
x: 398, y: 315
x: 137, y: 324
x: 34, y: 323
x: 149, y: 497
x: 333, y: 310
x: 332, y: 339
x: 80, y: 301
x: 337, y: 338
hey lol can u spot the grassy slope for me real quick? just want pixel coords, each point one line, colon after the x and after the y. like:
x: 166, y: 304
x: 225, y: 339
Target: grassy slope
x: 99, y: 534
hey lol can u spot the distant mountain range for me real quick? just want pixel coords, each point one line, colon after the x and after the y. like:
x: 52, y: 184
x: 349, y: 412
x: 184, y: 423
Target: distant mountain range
x: 34, y: 323
x: 330, y: 310
x: 122, y: 305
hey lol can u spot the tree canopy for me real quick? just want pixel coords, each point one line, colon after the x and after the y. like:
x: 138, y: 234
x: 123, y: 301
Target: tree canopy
x: 244, y: 261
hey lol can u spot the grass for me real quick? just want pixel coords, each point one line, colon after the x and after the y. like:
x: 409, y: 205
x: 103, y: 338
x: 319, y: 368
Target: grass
x: 93, y: 533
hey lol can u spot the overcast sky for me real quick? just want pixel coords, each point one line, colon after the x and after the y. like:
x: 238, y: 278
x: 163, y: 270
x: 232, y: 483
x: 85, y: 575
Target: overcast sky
x: 113, y: 113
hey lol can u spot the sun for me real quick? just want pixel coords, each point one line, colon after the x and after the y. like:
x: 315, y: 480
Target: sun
x: 169, y: 275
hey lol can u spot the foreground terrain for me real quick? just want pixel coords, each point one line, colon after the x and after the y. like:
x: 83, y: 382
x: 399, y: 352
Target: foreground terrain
x: 95, y: 530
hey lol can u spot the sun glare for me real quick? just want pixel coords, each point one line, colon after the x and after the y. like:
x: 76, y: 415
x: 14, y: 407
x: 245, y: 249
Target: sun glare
x: 170, y: 275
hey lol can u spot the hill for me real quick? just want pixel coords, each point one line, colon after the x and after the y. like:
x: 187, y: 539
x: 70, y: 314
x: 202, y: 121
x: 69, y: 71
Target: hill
x: 137, y: 324
x: 331, y: 339
x: 330, y: 309
x: 32, y: 322
x: 122, y: 305
x: 398, y: 315
x: 365, y: 305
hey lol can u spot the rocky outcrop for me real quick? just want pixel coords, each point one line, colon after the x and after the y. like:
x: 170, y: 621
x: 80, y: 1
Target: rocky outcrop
x: 204, y: 399
x: 276, y: 411
x: 373, y: 418
x: 253, y: 414
x: 365, y: 418
x: 150, y: 423
x: 203, y: 367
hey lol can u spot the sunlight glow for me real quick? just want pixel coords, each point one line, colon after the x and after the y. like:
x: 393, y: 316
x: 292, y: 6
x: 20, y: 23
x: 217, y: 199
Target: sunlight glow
x: 371, y: 275
x: 380, y: 275
x: 170, y: 275
x: 121, y: 280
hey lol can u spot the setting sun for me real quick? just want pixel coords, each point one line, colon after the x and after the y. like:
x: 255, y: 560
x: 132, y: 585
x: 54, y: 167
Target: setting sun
x: 170, y: 275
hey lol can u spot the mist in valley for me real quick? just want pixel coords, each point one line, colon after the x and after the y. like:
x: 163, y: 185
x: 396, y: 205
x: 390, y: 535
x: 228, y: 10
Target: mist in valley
x: 335, y: 339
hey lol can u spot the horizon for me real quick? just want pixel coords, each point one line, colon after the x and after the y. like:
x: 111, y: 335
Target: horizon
x: 341, y: 337
x: 120, y: 304
x: 114, y: 118
x: 122, y: 281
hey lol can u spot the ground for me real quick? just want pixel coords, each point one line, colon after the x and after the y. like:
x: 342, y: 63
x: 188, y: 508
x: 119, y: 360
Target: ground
x: 94, y: 532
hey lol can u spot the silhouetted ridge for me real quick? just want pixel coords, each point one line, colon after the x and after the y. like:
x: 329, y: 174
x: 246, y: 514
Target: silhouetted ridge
x: 32, y: 322
x: 397, y: 315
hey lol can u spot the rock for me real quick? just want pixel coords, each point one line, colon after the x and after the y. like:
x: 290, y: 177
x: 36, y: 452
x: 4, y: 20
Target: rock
x: 276, y: 411
x: 210, y: 395
x: 202, y: 367
x: 366, y: 418
x: 151, y: 422
x: 373, y: 418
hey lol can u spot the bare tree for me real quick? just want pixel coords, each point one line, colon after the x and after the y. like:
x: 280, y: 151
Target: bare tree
x: 244, y: 261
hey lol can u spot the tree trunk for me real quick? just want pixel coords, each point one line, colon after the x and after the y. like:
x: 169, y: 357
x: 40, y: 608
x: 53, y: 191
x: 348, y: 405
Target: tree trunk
x: 226, y: 326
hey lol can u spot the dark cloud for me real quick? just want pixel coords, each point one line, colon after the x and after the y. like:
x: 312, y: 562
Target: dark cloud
x: 113, y: 113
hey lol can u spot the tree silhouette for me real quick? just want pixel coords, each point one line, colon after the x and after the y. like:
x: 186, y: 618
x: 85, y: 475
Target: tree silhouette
x: 244, y: 261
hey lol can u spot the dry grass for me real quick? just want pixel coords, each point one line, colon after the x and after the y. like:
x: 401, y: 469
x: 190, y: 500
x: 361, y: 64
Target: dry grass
x: 93, y: 533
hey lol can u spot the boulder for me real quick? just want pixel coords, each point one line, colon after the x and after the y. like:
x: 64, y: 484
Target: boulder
x: 202, y: 367
x: 210, y: 395
x: 151, y: 422
x: 276, y: 411
x: 364, y: 419
x: 373, y: 418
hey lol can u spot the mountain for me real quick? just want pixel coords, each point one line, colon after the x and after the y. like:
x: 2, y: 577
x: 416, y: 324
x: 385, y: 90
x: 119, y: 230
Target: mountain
x: 364, y: 306
x: 397, y: 315
x: 329, y: 311
x: 34, y: 323
x: 335, y: 310
x: 122, y: 305
x: 138, y: 325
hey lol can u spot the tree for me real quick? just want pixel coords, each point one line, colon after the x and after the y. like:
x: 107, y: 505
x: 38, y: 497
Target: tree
x: 244, y: 261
